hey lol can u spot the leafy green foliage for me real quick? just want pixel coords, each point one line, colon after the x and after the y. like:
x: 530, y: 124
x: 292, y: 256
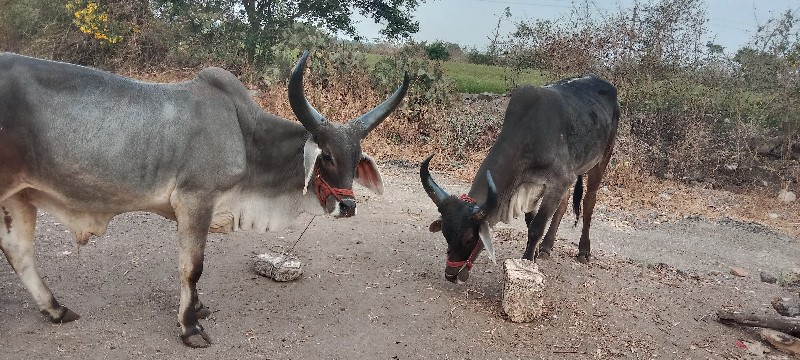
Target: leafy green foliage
x: 257, y: 26
x: 475, y: 56
x: 437, y: 51
x: 430, y: 87
x: 688, y: 108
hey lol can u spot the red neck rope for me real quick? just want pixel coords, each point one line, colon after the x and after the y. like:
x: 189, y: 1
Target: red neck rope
x: 475, y: 251
x: 465, y: 197
x: 324, y: 190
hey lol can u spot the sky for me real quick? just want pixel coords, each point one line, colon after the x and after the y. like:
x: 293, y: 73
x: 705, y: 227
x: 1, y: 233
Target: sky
x: 470, y: 22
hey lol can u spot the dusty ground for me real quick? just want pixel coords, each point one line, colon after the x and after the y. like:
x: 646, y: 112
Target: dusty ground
x: 373, y: 288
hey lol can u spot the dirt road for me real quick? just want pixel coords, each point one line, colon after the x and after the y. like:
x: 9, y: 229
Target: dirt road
x: 373, y: 289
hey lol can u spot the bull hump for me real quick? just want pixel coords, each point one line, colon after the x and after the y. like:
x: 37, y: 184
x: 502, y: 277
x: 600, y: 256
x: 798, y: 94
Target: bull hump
x: 221, y: 79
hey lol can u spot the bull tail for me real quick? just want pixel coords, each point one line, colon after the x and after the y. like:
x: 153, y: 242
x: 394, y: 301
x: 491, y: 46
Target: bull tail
x: 577, y: 196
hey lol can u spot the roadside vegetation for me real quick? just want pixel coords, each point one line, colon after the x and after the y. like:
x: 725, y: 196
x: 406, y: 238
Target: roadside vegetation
x: 693, y: 112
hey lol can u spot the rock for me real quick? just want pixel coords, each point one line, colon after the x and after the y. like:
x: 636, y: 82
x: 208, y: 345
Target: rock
x: 786, y: 196
x: 768, y: 278
x: 523, y: 287
x: 278, y: 267
x: 791, y: 277
x: 221, y: 223
x: 486, y: 96
x: 773, y: 216
x: 770, y: 148
x: 786, y: 306
x: 737, y: 271
x: 468, y: 97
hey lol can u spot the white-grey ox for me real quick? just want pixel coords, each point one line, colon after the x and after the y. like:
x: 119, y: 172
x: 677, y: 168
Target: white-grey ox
x: 551, y: 135
x: 86, y: 145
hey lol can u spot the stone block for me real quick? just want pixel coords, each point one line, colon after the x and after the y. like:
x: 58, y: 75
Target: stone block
x: 278, y: 266
x: 523, y: 290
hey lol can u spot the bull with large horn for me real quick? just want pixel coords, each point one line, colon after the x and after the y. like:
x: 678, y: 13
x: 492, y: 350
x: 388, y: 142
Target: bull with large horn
x: 551, y: 136
x: 86, y: 145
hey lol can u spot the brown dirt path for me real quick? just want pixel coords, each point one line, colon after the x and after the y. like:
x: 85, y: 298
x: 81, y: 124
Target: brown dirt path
x: 373, y: 288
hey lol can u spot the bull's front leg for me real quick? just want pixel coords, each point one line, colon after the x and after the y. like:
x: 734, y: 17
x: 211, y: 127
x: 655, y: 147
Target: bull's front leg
x: 549, y: 205
x: 17, y: 223
x: 550, y: 238
x: 194, y: 217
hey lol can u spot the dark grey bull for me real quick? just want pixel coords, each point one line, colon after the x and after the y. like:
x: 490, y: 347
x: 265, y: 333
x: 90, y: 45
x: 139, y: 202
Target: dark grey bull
x: 551, y: 135
x: 86, y: 145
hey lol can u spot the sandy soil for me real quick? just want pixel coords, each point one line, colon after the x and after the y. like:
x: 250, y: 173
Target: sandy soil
x: 373, y: 288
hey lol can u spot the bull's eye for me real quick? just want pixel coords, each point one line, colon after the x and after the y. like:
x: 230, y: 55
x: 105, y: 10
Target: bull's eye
x: 326, y: 157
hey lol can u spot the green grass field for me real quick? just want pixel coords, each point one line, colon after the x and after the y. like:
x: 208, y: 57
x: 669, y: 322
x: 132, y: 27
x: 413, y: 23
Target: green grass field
x: 475, y: 79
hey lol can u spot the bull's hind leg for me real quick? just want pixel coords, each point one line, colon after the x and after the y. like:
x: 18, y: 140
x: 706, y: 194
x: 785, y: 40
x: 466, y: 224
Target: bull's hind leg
x: 595, y: 175
x: 16, y: 241
x: 194, y: 218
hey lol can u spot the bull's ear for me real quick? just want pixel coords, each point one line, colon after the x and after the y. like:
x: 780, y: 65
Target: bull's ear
x: 367, y: 174
x: 311, y: 152
x: 436, y: 226
x: 485, y: 233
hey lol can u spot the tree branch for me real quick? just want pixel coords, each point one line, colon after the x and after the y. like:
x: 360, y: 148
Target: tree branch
x: 784, y: 324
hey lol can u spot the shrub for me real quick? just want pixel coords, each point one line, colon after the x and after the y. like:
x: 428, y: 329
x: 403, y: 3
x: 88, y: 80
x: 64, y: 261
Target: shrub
x: 477, y: 57
x: 437, y: 51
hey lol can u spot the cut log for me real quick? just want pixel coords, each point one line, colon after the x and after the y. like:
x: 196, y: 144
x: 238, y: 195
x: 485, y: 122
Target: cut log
x: 785, y: 324
x: 786, y: 343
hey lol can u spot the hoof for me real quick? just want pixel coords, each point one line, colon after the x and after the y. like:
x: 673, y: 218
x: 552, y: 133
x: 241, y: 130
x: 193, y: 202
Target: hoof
x: 584, y: 258
x: 203, y: 313
x: 66, y: 316
x: 543, y: 254
x: 198, y: 339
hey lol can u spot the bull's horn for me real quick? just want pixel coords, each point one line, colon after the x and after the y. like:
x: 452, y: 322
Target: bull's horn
x: 308, y: 116
x: 436, y: 193
x: 491, y: 200
x: 374, y: 117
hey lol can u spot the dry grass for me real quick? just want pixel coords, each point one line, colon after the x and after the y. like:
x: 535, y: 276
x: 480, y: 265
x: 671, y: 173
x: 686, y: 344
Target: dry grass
x: 629, y: 185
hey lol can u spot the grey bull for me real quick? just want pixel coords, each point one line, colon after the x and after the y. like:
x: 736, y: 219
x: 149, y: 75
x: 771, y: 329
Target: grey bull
x: 551, y: 136
x: 86, y: 145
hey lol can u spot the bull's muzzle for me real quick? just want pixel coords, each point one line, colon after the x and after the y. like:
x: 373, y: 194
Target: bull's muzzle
x: 457, y: 275
x: 347, y: 208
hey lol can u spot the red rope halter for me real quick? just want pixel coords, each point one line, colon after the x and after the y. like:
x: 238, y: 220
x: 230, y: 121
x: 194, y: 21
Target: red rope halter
x: 323, y: 189
x: 465, y: 197
x: 470, y: 259
x: 475, y: 251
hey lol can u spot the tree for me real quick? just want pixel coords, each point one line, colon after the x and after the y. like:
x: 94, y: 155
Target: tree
x: 265, y: 23
x: 437, y: 51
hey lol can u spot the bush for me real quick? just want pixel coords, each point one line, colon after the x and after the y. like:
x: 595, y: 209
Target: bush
x: 437, y: 51
x: 476, y: 57
x: 688, y: 109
